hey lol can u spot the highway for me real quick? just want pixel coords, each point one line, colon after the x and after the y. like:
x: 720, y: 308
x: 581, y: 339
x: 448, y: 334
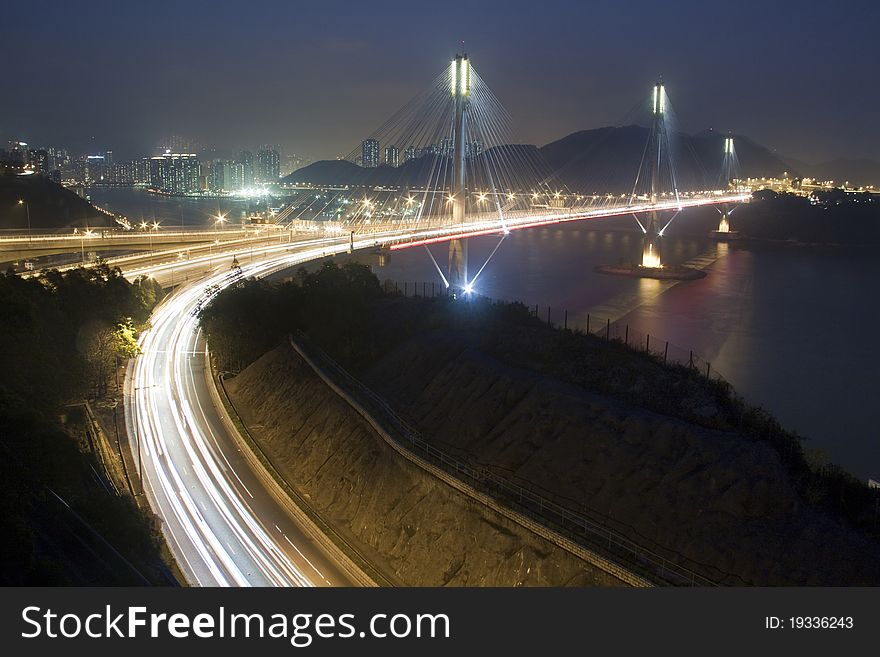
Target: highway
x: 225, y: 520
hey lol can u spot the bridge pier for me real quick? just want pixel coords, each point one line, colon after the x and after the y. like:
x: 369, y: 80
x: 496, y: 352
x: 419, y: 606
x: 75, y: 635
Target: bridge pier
x: 651, y: 245
x: 651, y: 248
x: 460, y: 79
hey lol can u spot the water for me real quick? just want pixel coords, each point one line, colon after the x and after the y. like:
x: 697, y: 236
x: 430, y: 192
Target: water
x: 793, y: 329
x: 171, y: 211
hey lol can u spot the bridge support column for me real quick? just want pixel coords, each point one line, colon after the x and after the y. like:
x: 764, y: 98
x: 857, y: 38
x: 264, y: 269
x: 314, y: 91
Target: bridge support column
x: 460, y: 79
x: 651, y: 245
x: 651, y: 248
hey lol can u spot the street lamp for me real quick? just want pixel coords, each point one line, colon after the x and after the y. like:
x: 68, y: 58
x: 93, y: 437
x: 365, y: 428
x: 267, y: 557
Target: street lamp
x: 27, y: 208
x: 220, y: 219
x: 82, y: 247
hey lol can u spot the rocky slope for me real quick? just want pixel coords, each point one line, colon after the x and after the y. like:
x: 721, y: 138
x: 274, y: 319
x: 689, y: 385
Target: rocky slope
x: 413, y: 527
x: 713, y: 496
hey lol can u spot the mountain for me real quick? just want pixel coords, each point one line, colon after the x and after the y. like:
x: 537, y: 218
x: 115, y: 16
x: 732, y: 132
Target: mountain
x: 607, y: 159
x: 599, y: 160
x: 51, y: 206
x: 417, y: 172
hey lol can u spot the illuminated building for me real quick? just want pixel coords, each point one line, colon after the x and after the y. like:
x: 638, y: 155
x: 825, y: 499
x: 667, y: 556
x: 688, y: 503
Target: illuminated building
x: 370, y: 153
x: 268, y: 165
x: 175, y: 173
x: 392, y: 156
x: 246, y: 160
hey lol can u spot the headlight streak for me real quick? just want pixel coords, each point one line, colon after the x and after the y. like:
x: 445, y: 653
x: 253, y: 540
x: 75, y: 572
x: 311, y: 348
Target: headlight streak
x: 179, y: 446
x: 218, y: 539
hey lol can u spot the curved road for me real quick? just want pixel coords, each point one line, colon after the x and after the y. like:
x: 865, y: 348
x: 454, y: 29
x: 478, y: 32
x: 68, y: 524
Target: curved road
x: 224, y: 518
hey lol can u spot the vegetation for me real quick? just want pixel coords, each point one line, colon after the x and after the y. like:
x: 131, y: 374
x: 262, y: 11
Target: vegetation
x: 50, y: 205
x: 346, y: 312
x: 61, y: 522
x: 245, y: 321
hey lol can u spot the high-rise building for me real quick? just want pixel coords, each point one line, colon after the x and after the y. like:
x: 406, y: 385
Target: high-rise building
x: 60, y: 158
x: 370, y: 153
x: 409, y: 153
x: 246, y: 160
x: 39, y: 160
x: 475, y: 148
x: 392, y: 156
x: 268, y: 165
x: 446, y: 147
x: 140, y: 174
x: 225, y: 176
x: 18, y: 151
x: 175, y: 173
x: 90, y: 169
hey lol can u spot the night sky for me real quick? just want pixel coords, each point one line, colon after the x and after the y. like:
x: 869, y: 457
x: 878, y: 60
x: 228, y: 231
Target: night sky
x: 317, y: 77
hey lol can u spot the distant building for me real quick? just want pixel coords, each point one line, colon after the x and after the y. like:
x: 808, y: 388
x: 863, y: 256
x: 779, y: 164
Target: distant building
x: 89, y: 170
x: 392, y: 156
x: 370, y: 153
x: 39, y: 160
x: 18, y: 151
x: 268, y: 165
x: 446, y: 147
x: 246, y: 160
x: 175, y: 173
x: 140, y: 174
x: 225, y: 176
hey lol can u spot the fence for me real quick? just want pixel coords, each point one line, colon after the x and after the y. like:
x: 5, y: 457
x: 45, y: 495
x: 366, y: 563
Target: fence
x: 560, y: 318
x: 579, y: 527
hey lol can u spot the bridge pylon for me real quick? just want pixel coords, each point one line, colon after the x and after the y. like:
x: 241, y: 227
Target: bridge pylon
x: 460, y: 85
x: 651, y: 247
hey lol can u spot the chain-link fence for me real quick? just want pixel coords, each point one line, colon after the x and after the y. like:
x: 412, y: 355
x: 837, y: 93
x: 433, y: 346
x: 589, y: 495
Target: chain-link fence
x: 584, y: 322
x: 659, y: 565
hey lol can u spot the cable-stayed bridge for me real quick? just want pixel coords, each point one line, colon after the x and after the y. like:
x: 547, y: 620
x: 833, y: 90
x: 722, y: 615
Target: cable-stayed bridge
x: 452, y: 168
x: 459, y: 173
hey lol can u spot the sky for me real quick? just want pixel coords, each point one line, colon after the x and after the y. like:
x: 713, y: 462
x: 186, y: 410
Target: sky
x: 315, y: 78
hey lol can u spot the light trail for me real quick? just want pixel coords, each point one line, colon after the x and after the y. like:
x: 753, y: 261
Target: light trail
x: 477, y: 229
x: 224, y: 518
x: 221, y: 519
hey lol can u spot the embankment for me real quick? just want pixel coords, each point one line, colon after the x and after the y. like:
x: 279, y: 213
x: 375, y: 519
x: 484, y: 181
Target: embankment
x: 416, y: 529
x: 718, y: 500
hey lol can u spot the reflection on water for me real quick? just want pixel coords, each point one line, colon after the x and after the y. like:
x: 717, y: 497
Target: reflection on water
x: 789, y: 328
x: 170, y: 211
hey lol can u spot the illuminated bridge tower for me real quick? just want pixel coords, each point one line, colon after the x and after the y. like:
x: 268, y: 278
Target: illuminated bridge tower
x: 651, y: 249
x: 726, y: 176
x: 460, y: 81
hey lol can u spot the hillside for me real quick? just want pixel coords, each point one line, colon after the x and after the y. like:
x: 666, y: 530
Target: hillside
x: 607, y: 159
x: 413, y: 173
x: 598, y: 160
x: 414, y: 528
x: 677, y: 463
x: 52, y: 207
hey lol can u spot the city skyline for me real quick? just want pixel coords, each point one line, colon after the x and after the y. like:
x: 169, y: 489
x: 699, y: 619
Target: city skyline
x: 227, y: 90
